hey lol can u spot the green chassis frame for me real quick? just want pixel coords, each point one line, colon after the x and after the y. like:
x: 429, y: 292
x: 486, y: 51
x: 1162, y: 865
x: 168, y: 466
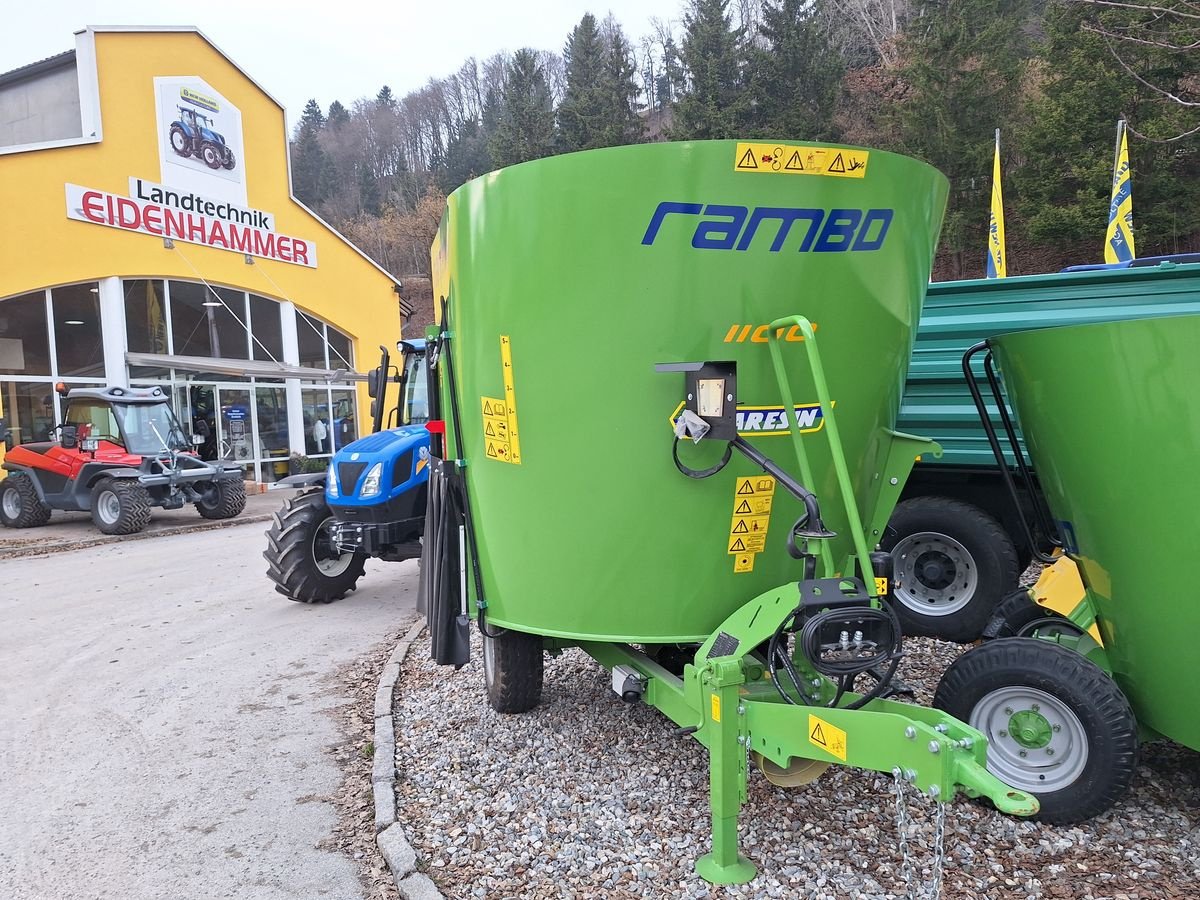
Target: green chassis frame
x: 731, y: 706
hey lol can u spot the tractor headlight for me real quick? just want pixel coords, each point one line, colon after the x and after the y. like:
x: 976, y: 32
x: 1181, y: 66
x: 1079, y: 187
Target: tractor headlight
x: 371, y: 483
x: 331, y: 482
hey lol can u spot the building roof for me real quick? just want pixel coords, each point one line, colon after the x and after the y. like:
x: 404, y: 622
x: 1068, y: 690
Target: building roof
x: 49, y: 64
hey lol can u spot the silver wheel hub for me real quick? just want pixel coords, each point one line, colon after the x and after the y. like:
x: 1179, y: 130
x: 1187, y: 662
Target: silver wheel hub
x: 11, y: 503
x: 1049, y: 756
x: 935, y: 575
x: 108, y: 507
x: 329, y: 566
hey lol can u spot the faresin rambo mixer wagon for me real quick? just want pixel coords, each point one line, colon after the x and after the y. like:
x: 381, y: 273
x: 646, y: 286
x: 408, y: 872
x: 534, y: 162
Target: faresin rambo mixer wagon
x: 600, y: 481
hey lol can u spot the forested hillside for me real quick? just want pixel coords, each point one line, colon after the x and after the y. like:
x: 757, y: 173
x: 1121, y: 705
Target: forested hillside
x: 930, y: 78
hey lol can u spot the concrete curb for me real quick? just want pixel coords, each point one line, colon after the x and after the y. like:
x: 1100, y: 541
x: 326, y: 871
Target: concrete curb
x: 396, y: 850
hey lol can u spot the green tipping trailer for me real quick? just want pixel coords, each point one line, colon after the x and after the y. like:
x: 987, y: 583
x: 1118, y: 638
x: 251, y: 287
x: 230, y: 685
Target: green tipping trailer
x: 955, y: 516
x: 1105, y: 640
x: 668, y: 377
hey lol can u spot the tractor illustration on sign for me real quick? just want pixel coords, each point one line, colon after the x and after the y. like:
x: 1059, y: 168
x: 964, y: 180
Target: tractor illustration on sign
x: 192, y: 135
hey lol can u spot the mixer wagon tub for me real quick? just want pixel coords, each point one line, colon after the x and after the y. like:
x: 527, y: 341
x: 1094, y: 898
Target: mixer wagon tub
x: 596, y: 480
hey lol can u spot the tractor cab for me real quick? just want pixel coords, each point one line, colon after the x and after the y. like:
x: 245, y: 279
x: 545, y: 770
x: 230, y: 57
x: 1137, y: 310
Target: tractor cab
x: 122, y: 422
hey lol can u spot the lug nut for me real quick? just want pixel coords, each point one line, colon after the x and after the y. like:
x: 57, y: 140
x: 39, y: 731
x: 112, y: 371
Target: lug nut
x: 1008, y: 710
x: 1035, y: 707
x: 1049, y: 751
x: 1022, y: 754
x: 1002, y: 734
x: 1056, y: 729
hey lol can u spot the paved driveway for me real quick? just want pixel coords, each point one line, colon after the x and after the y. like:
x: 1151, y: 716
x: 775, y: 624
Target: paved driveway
x: 163, y: 727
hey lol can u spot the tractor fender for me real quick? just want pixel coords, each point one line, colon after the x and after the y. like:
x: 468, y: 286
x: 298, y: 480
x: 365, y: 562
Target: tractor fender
x: 310, y: 479
x: 33, y: 476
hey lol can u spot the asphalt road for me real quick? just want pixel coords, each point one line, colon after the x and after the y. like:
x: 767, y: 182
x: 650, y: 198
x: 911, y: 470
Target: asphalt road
x: 164, y: 725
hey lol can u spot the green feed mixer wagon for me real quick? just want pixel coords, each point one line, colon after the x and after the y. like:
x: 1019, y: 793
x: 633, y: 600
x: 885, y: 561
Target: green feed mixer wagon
x: 666, y: 380
x: 1090, y: 662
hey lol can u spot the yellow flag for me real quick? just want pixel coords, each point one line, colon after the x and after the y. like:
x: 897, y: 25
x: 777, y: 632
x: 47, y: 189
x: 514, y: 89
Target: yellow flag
x: 1118, y: 242
x: 997, y: 258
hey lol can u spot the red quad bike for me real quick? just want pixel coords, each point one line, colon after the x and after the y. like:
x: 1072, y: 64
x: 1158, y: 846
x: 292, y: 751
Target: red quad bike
x: 120, y: 452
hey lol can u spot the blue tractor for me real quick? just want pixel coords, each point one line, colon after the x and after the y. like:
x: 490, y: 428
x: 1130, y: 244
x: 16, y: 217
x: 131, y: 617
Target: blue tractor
x: 192, y: 135
x: 369, y: 503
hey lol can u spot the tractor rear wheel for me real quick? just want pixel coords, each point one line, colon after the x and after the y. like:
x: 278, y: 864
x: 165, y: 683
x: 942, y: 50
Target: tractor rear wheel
x: 1057, y: 726
x: 223, y: 499
x: 20, y: 505
x: 120, y: 506
x: 180, y: 142
x: 302, y: 560
x: 513, y: 670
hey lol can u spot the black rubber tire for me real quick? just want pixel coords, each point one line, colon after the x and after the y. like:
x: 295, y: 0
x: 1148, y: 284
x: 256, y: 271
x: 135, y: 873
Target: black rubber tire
x: 1102, y: 709
x: 31, y: 511
x: 291, y: 561
x: 183, y: 141
x: 211, y: 154
x: 513, y: 670
x: 988, y: 546
x: 228, y: 160
x: 225, y: 500
x: 133, y: 501
x: 1013, y: 613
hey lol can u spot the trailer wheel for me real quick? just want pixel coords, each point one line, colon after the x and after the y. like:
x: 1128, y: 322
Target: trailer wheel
x: 300, y: 558
x: 1057, y: 726
x: 120, y: 506
x: 952, y: 563
x: 222, y: 499
x: 20, y: 505
x: 512, y: 671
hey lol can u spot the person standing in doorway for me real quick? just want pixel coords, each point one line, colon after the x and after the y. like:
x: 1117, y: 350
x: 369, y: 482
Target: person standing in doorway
x: 319, y: 433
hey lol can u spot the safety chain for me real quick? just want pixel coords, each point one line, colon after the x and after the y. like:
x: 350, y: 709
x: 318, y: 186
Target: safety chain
x: 904, y: 823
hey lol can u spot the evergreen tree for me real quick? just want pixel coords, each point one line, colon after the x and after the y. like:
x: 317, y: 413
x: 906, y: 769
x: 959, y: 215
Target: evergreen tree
x: 467, y: 156
x: 1064, y: 184
x: 310, y: 165
x: 582, y: 108
x: 524, y: 114
x: 796, y: 73
x: 339, y: 116
x: 386, y: 98
x: 715, y: 102
x: 962, y: 63
x: 621, y: 122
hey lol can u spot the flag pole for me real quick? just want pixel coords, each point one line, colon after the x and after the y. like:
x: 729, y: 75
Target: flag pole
x: 1117, y: 146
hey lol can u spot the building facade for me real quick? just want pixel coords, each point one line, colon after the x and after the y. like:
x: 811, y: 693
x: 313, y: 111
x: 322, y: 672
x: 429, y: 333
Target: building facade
x: 150, y: 237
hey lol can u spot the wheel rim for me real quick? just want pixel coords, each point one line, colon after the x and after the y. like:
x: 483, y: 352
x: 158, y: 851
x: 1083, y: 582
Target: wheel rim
x: 178, y: 142
x: 11, y: 503
x: 1035, y: 741
x: 328, y: 565
x: 935, y: 575
x: 108, y: 507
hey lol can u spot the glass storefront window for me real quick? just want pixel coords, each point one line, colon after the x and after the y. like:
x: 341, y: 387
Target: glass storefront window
x: 273, y: 432
x: 145, y: 316
x: 345, y: 423
x: 24, y: 338
x: 28, y: 411
x: 340, y: 356
x: 264, y: 325
x: 78, y: 340
x: 318, y: 431
x: 310, y: 334
x: 208, y: 321
x: 236, y: 425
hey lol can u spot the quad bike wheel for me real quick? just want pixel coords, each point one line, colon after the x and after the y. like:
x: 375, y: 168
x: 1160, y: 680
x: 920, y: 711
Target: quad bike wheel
x: 513, y: 671
x: 1057, y: 726
x: 20, y: 505
x: 302, y: 560
x: 120, y: 506
x: 180, y: 142
x: 211, y: 154
x: 223, y: 499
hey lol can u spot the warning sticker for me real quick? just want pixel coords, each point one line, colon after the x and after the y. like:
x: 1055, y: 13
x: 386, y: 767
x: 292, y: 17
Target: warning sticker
x: 754, y: 485
x: 787, y: 159
x: 751, y: 519
x: 881, y: 587
x: 755, y: 505
x: 828, y: 737
x: 716, y: 708
x: 749, y: 524
x: 743, y: 562
x: 501, y: 439
x: 748, y: 543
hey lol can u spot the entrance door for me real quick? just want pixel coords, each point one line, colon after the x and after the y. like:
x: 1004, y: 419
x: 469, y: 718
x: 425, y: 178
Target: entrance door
x: 236, y: 424
x: 201, y: 415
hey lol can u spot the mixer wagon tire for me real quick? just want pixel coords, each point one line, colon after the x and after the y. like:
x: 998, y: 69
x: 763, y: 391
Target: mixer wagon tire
x: 952, y: 564
x: 1017, y: 615
x: 20, y: 505
x: 512, y: 671
x: 1057, y: 726
x: 299, y: 560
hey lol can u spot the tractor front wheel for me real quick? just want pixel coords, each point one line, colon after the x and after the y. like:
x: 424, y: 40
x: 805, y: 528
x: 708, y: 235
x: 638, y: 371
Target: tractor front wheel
x: 211, y: 154
x: 513, y: 670
x: 20, y: 505
x: 1057, y: 726
x: 120, y: 506
x: 223, y: 499
x: 228, y: 160
x: 301, y: 558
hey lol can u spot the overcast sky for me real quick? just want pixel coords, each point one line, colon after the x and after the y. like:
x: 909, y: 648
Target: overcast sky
x: 329, y: 49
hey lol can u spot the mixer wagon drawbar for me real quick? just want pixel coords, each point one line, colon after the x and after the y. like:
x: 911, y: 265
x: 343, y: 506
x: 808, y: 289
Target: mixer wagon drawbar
x: 616, y: 468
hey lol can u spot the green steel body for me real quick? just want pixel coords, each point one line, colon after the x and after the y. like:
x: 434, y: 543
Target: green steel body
x: 1111, y: 421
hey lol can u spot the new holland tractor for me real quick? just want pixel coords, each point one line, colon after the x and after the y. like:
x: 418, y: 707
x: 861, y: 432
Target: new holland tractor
x: 120, y: 452
x: 596, y: 484
x: 370, y: 502
x: 192, y: 135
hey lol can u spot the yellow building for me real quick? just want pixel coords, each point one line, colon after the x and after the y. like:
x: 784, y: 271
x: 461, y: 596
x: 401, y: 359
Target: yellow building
x: 150, y: 237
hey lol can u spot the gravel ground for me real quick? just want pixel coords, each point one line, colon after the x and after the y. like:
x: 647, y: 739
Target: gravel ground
x: 586, y: 797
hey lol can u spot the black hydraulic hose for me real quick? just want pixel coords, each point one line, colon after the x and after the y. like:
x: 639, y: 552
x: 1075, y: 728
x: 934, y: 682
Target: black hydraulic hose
x: 814, y: 527
x: 989, y: 431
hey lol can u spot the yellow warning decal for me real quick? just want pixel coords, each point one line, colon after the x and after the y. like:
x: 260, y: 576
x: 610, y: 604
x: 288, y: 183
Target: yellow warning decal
x: 501, y: 438
x: 789, y: 159
x: 751, y: 519
x: 881, y: 587
x: 716, y: 708
x: 510, y: 394
x: 828, y: 737
x: 743, y: 562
